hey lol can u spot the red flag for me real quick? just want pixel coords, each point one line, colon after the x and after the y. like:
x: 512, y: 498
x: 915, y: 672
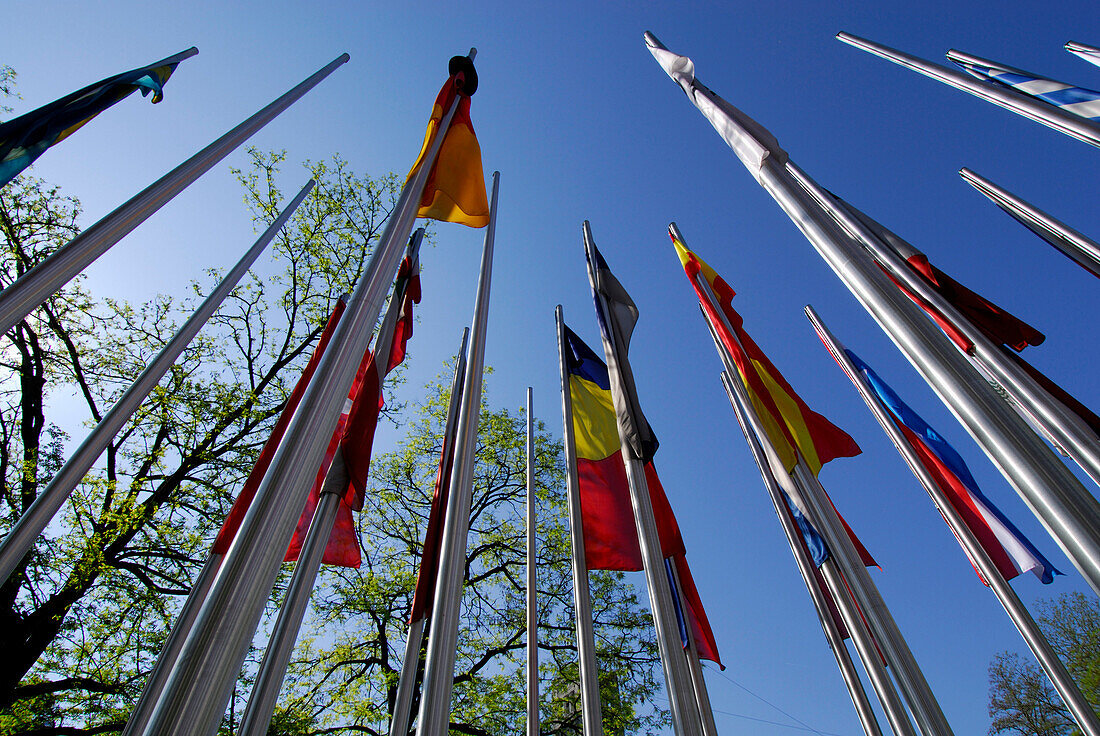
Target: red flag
x: 697, y: 621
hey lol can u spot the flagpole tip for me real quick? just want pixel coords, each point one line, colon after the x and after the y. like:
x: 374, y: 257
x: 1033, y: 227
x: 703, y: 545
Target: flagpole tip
x: 344, y: 58
x: 190, y: 52
x: 652, y: 41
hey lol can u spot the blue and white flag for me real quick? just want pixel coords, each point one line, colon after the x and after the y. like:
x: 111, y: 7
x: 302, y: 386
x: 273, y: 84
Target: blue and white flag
x: 1077, y: 100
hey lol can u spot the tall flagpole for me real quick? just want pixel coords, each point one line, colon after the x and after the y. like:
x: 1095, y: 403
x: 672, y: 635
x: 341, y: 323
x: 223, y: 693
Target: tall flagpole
x: 1050, y: 490
x: 36, y: 285
x: 269, y: 678
x: 1080, y: 248
x: 435, y: 700
x: 864, y: 710
x: 532, y: 589
x: 23, y: 535
x: 410, y: 663
x: 591, y: 717
x: 1064, y: 122
x: 691, y: 655
x: 1052, y: 665
x: 199, y: 688
x: 681, y: 698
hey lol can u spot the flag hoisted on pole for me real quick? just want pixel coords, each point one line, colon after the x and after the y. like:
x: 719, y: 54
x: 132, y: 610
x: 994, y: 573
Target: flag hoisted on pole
x: 996, y: 549
x: 33, y: 287
x: 591, y: 718
x: 22, y: 536
x: 25, y: 138
x: 1084, y: 251
x: 195, y: 696
x: 616, y: 315
x: 1053, y: 117
x: 532, y: 588
x: 1051, y: 491
x: 695, y: 634
x: 327, y: 525
x: 424, y: 593
x: 439, y: 664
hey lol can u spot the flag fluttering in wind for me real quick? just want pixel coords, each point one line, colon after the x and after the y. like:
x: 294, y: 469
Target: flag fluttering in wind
x: 455, y: 191
x: 610, y: 538
x: 694, y: 618
x: 25, y: 138
x: 1009, y: 549
x: 790, y: 423
x: 1077, y: 100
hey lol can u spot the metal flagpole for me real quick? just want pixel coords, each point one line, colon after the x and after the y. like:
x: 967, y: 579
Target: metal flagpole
x: 269, y: 678
x: 435, y: 700
x: 1046, y: 485
x: 681, y: 698
x: 410, y: 664
x: 199, y: 688
x: 1091, y: 54
x: 1064, y: 122
x: 23, y: 535
x: 1052, y: 665
x: 582, y: 600
x: 691, y: 656
x: 36, y: 285
x: 1083, y: 250
x: 532, y: 590
x: 864, y: 710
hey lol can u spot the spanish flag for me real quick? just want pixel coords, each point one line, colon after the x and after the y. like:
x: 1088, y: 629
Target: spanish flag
x: 25, y: 138
x: 790, y: 424
x: 455, y: 190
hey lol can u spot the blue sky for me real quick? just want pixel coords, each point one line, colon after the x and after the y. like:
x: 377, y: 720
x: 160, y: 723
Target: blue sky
x: 582, y: 125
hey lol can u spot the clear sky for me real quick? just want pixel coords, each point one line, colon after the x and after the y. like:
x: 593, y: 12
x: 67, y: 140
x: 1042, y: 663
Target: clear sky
x: 583, y: 124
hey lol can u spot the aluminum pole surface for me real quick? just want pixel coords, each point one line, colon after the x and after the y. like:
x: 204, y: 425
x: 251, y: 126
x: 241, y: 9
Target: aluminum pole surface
x: 410, y: 663
x: 1064, y: 122
x: 1046, y: 485
x: 21, y: 538
x: 1021, y: 619
x: 198, y: 690
x: 1081, y: 249
x: 439, y: 665
x: 532, y: 589
x: 592, y: 720
x: 864, y: 710
x: 695, y: 666
x: 36, y: 285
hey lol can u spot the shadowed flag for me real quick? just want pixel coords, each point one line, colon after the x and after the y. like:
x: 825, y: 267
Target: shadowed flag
x: 25, y: 138
x: 695, y: 620
x: 1077, y: 100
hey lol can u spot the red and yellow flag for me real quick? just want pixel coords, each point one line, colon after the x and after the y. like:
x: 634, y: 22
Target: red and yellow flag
x: 455, y: 190
x: 790, y: 424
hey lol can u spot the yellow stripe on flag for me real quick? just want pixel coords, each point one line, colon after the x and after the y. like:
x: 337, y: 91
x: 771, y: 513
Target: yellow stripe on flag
x: 594, y: 429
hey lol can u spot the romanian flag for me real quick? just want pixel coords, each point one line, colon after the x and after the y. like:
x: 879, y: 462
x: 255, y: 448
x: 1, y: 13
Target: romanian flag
x: 455, y: 190
x: 610, y: 536
x: 25, y: 138
x: 693, y: 619
x: 790, y: 424
x: 1009, y: 549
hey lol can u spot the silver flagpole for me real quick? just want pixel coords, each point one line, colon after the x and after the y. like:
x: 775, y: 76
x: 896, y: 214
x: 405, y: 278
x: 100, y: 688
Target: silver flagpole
x: 269, y: 678
x: 1052, y: 665
x: 532, y: 590
x: 1063, y: 427
x: 864, y: 710
x: 30, y: 525
x: 695, y: 666
x: 1091, y: 54
x: 1064, y: 122
x: 1083, y: 250
x: 681, y: 698
x: 592, y: 720
x: 1050, y: 490
x: 410, y: 664
x: 199, y: 688
x: 439, y: 665
x: 36, y: 285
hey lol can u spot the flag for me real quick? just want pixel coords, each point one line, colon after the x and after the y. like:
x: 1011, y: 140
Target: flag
x: 1091, y: 54
x: 617, y: 315
x: 1009, y: 549
x: 815, y: 547
x: 996, y: 323
x: 610, y: 536
x: 789, y: 423
x: 1077, y: 100
x: 455, y: 190
x: 694, y: 619
x: 25, y: 138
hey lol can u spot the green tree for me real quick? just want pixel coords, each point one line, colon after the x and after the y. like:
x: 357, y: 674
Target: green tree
x: 1021, y: 699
